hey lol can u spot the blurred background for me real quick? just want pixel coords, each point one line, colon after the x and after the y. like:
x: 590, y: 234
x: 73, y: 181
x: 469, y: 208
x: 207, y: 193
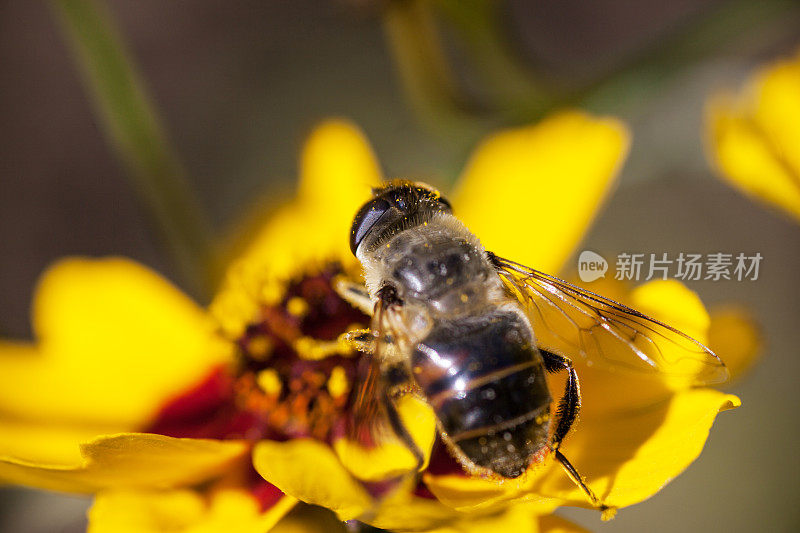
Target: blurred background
x: 237, y: 86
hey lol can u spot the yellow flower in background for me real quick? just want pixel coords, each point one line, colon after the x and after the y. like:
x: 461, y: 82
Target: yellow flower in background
x: 182, y: 419
x: 755, y: 135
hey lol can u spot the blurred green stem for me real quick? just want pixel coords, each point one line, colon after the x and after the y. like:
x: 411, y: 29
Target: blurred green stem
x: 655, y: 67
x: 514, y: 93
x: 424, y: 70
x: 131, y: 124
x: 513, y: 88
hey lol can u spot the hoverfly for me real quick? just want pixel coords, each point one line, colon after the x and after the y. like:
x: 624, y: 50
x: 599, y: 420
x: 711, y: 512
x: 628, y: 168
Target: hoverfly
x: 474, y: 335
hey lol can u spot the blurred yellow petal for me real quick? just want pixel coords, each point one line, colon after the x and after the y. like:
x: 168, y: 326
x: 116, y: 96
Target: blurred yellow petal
x: 386, y: 461
x: 41, y: 439
x: 337, y: 167
x: 337, y: 170
x: 42, y: 442
x: 309, y: 519
x: 555, y: 524
x: 519, y: 517
x: 145, y: 512
x: 778, y: 109
x: 628, y: 459
x: 736, y: 338
x: 470, y: 494
x: 673, y: 303
x: 129, y: 460
x: 115, y: 342
x: 530, y: 193
x: 755, y: 138
x: 404, y: 511
x: 310, y: 471
x: 182, y: 511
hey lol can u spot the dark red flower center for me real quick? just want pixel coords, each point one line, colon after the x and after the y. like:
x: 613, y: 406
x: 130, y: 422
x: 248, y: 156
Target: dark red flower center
x: 292, y: 379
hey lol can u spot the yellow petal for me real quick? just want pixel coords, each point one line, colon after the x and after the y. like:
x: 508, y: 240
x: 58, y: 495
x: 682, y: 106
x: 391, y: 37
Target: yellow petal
x: 116, y: 341
x: 145, y: 512
x: 337, y: 167
x: 182, y: 511
x: 778, y: 110
x: 309, y: 519
x: 139, y: 460
x: 673, y: 303
x: 755, y: 139
x: 471, y: 494
x: 392, y: 458
x: 42, y: 442
x: 555, y: 524
x: 519, y: 517
x: 337, y: 170
x: 402, y: 510
x: 530, y: 193
x: 309, y: 471
x: 736, y: 338
x: 386, y: 461
x: 627, y: 459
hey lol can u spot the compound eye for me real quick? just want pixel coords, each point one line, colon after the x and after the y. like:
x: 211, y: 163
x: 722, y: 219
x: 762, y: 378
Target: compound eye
x: 365, y: 220
x: 445, y: 203
x: 398, y: 197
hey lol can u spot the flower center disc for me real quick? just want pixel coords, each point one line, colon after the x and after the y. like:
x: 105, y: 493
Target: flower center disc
x: 292, y: 379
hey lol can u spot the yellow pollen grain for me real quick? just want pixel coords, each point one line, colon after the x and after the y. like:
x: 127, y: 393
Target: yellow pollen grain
x: 338, y: 385
x: 464, y: 297
x: 271, y: 293
x: 269, y: 381
x: 259, y: 347
x: 297, y: 306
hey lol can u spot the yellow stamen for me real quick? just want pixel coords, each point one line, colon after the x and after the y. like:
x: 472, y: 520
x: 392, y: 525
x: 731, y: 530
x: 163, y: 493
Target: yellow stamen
x: 271, y: 293
x: 260, y: 347
x: 269, y: 381
x: 297, y: 306
x: 338, y: 385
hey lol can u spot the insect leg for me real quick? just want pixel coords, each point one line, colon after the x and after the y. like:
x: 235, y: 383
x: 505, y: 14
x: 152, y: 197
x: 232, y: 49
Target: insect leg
x: 354, y: 293
x: 400, y: 430
x: 360, y: 339
x: 607, y: 511
x: 570, y: 403
x: 567, y: 413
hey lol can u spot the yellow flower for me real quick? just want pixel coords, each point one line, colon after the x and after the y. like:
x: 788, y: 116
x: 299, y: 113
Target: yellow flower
x: 168, y: 412
x: 755, y: 136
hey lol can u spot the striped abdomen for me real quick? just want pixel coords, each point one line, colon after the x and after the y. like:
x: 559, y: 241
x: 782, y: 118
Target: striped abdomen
x: 486, y: 384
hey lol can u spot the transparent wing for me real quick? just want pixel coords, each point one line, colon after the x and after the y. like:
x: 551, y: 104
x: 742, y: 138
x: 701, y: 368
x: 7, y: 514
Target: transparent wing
x: 370, y: 423
x: 569, y: 320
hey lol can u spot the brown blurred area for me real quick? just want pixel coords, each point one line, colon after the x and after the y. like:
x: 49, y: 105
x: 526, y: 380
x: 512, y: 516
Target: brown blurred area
x: 239, y: 84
